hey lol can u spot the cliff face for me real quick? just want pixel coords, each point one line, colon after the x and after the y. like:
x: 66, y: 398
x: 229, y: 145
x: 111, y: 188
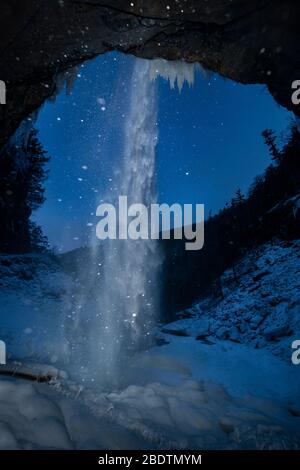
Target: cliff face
x: 250, y: 41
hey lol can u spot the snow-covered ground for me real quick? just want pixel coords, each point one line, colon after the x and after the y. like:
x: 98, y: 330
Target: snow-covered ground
x: 182, y: 395
x: 35, y: 295
x: 204, y: 387
x: 260, y: 305
x: 188, y: 394
x: 35, y: 416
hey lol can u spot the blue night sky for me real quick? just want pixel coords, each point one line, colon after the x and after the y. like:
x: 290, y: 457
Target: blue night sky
x: 209, y: 145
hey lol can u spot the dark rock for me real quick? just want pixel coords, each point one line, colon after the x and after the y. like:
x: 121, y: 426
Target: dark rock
x: 234, y: 334
x: 285, y: 217
x: 175, y: 332
x: 249, y: 41
x: 226, y: 425
x: 204, y: 339
x: 253, y: 289
x: 264, y: 294
x: 294, y: 411
x: 161, y: 342
x: 261, y: 275
x: 275, y: 332
x: 185, y: 314
x: 25, y: 275
x: 222, y: 333
x: 274, y: 301
x: 6, y: 262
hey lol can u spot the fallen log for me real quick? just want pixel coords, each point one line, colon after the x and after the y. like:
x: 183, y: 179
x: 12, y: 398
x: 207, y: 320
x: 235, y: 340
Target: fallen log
x: 27, y: 376
x: 32, y: 372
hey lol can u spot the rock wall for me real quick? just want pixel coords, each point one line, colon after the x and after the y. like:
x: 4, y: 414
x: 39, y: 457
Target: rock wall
x: 250, y: 41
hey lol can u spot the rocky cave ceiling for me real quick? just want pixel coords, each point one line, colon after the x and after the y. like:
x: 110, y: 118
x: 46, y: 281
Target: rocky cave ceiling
x: 249, y: 41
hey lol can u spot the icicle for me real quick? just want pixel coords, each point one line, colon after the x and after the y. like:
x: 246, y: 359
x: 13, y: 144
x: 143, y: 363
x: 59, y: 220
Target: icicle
x: 175, y: 72
x: 65, y: 80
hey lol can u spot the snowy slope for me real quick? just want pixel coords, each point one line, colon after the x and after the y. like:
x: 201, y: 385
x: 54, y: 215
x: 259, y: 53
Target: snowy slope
x: 34, y: 297
x: 260, y: 305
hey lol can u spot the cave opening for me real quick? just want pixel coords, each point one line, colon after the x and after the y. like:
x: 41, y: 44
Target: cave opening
x: 209, y: 144
x: 190, y: 138
x: 208, y: 147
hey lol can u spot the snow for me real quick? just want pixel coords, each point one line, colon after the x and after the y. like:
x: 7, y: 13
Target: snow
x: 188, y: 390
x: 35, y: 294
x: 260, y: 305
x: 174, y: 396
x: 208, y: 386
x: 190, y: 395
x: 28, y: 417
x: 177, y: 396
x: 36, y: 417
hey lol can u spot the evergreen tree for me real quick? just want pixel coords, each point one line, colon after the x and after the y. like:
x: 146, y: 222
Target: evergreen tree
x: 245, y: 223
x: 239, y: 197
x: 22, y: 174
x: 270, y: 140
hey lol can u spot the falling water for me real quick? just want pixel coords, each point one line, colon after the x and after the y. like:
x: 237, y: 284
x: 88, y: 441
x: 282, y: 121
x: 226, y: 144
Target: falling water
x: 128, y: 297
x: 119, y: 306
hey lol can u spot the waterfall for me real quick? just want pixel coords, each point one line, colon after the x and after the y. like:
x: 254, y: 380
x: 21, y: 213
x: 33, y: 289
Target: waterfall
x: 128, y: 295
x: 118, y: 305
